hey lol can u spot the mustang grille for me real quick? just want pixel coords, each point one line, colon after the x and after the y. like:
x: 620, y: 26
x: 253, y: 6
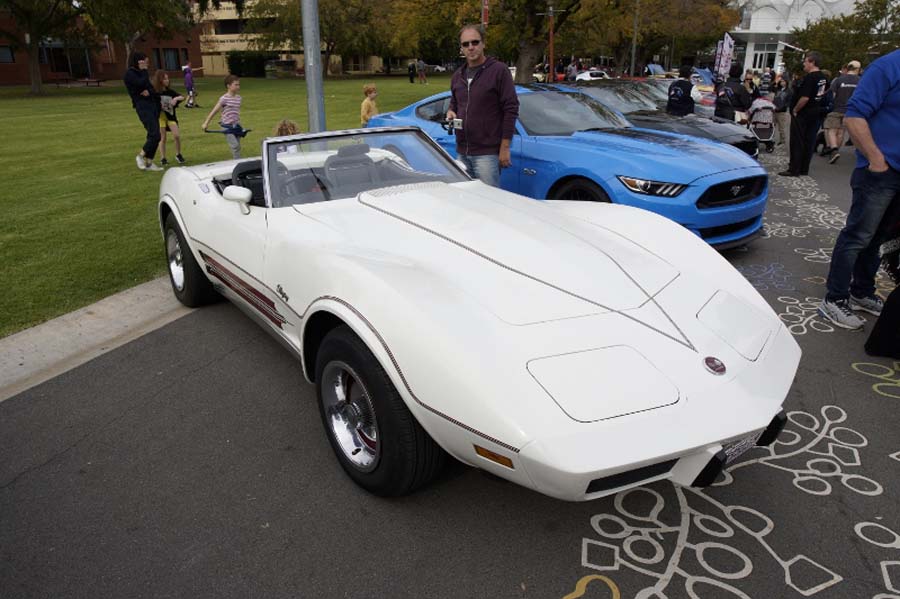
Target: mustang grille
x: 732, y: 192
x: 727, y: 229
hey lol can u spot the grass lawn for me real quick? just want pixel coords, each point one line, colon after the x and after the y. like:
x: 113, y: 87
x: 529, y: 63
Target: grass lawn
x: 79, y: 219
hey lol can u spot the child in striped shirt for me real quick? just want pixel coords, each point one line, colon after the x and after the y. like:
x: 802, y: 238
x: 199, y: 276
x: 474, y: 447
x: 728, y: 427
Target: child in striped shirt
x: 230, y: 105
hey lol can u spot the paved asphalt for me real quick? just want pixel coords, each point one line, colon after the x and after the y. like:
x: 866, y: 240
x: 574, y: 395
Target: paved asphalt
x: 192, y: 463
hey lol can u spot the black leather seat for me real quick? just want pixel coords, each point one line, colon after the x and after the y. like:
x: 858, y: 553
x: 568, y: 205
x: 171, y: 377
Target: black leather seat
x: 249, y: 174
x: 351, y: 167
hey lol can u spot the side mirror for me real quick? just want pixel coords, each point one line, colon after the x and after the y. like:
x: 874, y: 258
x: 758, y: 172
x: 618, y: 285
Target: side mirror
x: 236, y: 193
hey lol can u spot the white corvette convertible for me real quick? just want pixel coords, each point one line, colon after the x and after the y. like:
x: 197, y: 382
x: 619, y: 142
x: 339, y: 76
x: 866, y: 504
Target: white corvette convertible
x: 574, y: 348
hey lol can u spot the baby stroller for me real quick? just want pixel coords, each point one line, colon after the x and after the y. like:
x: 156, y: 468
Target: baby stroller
x: 762, y: 122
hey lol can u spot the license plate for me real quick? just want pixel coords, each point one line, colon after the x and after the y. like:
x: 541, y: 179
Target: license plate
x: 735, y: 449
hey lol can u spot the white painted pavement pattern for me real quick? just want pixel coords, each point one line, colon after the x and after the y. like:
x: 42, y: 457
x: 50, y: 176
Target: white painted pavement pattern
x: 40, y: 353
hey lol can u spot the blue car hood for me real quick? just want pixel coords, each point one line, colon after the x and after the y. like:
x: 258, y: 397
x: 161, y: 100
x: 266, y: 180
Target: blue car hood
x: 675, y: 158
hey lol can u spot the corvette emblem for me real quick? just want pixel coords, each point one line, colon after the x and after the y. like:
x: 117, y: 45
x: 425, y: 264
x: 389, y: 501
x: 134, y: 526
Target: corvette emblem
x: 714, y: 365
x: 736, y: 189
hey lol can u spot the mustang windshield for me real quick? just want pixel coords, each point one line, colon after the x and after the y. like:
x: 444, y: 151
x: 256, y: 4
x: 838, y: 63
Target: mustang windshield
x: 302, y: 170
x: 559, y: 113
x: 620, y: 97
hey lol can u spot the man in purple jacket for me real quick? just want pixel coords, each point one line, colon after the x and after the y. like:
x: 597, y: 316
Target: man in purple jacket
x: 483, y: 96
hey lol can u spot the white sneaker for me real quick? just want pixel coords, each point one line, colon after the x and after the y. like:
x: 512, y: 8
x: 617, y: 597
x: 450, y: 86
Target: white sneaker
x: 839, y: 314
x: 154, y: 167
x: 140, y: 162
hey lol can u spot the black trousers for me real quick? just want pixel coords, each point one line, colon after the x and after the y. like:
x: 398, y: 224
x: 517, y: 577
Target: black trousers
x: 803, y: 143
x: 150, y: 120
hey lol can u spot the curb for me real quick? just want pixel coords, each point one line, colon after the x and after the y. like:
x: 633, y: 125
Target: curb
x: 38, y: 354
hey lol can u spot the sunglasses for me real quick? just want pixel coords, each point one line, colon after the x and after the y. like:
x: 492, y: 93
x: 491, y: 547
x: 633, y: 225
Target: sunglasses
x: 472, y: 43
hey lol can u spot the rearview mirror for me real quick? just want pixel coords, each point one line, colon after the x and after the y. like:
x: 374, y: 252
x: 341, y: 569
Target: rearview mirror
x: 236, y: 193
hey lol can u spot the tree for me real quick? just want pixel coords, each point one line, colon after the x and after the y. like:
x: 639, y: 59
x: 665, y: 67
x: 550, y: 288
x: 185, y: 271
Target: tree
x: 82, y: 20
x: 873, y: 29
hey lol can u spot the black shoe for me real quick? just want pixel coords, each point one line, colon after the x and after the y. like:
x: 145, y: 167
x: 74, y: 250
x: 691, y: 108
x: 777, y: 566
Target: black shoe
x: 164, y: 162
x: 849, y: 142
x: 180, y: 159
x: 788, y: 174
x: 828, y: 151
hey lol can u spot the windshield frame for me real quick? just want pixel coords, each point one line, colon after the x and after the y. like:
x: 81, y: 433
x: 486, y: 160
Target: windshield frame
x: 453, y: 165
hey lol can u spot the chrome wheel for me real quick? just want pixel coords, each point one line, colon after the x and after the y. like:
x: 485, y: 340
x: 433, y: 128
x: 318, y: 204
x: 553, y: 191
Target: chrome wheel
x: 176, y: 262
x: 349, y: 413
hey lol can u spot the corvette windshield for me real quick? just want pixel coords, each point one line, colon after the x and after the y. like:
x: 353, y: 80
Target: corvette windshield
x: 559, y: 113
x: 619, y: 97
x: 303, y: 170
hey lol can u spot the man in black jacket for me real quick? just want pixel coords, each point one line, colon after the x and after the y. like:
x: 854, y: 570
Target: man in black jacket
x: 682, y: 94
x: 145, y: 101
x: 732, y: 96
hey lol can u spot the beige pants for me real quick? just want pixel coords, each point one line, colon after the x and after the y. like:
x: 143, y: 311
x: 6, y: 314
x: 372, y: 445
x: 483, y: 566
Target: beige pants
x: 783, y: 125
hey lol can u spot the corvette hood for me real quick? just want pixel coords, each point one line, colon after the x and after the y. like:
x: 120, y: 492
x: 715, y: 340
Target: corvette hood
x: 517, y: 257
x: 643, y: 153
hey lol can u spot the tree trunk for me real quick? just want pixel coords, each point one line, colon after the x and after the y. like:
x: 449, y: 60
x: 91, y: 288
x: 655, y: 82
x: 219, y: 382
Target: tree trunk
x: 33, y: 49
x: 530, y: 53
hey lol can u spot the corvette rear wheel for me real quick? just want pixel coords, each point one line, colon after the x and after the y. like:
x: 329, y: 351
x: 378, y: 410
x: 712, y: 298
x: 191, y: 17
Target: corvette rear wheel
x: 376, y: 439
x: 580, y: 190
x: 189, y: 284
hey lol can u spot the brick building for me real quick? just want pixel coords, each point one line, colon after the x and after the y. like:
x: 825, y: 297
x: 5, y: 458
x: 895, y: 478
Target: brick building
x: 104, y: 60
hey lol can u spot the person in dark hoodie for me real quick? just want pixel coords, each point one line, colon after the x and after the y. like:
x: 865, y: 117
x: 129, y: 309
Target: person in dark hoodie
x: 483, y: 96
x: 145, y: 101
x: 732, y: 96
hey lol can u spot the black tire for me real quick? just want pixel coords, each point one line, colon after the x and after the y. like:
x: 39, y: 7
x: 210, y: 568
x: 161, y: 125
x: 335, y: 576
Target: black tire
x: 580, y: 190
x: 195, y: 289
x: 404, y: 457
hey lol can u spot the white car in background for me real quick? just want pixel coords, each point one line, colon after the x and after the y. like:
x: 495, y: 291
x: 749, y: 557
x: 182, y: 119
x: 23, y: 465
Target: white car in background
x: 591, y: 75
x: 574, y: 348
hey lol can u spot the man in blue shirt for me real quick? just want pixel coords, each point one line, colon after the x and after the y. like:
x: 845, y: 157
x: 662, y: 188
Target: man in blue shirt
x: 873, y: 121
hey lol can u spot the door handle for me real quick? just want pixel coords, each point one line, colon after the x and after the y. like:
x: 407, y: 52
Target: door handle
x: 529, y: 171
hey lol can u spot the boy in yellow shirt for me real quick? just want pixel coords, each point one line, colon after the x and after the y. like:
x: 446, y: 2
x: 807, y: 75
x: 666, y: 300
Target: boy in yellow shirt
x: 368, y: 108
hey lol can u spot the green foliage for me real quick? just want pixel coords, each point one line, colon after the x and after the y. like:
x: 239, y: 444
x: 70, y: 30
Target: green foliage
x: 872, y: 30
x: 80, y: 223
x: 248, y: 63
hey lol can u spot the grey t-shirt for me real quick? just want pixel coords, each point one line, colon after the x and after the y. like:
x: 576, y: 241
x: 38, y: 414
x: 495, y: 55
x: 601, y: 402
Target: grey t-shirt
x: 842, y: 87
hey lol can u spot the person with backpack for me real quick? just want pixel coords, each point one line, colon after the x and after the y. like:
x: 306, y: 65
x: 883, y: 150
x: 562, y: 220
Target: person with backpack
x: 732, y: 96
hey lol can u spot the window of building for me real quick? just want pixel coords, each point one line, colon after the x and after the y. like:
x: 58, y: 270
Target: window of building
x: 170, y: 59
x: 157, y: 58
x: 6, y: 55
x: 229, y: 26
x: 44, y: 55
x: 185, y: 56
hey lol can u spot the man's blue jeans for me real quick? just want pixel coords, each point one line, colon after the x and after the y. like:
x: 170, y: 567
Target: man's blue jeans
x: 855, y: 260
x: 486, y: 168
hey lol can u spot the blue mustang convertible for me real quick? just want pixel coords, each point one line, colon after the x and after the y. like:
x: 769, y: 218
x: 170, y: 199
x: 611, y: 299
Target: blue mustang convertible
x: 568, y: 146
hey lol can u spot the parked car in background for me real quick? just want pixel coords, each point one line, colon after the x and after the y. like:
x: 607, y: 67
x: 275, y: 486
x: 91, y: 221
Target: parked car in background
x: 640, y: 109
x: 435, y: 68
x: 574, y: 348
x: 568, y: 146
x: 591, y: 75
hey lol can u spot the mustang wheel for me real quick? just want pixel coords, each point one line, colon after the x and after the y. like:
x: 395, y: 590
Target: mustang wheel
x: 581, y: 190
x: 375, y: 437
x: 189, y: 284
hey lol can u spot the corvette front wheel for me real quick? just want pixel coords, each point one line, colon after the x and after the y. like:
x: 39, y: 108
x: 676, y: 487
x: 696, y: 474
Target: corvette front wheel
x: 580, y: 190
x: 376, y: 439
x: 189, y: 284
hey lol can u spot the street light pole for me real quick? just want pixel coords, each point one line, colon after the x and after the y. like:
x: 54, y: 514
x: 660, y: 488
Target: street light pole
x: 637, y: 8
x: 312, y: 56
x: 551, y: 12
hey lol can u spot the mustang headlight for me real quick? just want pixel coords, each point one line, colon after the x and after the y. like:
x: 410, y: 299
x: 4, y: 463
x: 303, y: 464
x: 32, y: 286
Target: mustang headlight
x: 652, y: 188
